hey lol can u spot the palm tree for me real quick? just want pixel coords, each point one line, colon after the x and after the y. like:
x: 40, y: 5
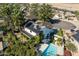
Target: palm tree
x: 34, y: 10
x: 6, y: 12
x: 31, y: 10
x: 16, y: 47
x: 12, y: 14
x: 45, y: 12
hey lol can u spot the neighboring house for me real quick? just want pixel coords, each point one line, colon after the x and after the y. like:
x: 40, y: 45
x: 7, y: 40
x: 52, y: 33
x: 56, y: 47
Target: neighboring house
x: 1, y: 33
x: 1, y: 20
x: 1, y: 44
x: 56, y: 17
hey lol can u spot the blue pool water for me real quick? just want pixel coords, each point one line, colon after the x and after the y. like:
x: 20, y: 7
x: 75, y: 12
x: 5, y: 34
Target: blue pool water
x: 51, y: 50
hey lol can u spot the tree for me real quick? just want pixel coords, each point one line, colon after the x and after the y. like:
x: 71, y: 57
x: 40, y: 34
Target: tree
x: 45, y: 12
x: 52, y: 40
x: 6, y: 12
x: 19, y: 49
x: 60, y: 32
x: 12, y: 14
x: 59, y: 41
x: 41, y: 35
x: 34, y: 10
x: 77, y: 14
x: 36, y: 40
x: 40, y: 11
x: 31, y: 10
x: 17, y: 16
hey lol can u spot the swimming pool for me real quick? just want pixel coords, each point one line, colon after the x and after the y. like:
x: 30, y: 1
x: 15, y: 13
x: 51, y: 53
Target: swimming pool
x: 51, y: 50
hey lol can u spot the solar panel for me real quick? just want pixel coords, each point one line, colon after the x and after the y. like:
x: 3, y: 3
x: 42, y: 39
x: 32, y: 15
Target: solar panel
x: 28, y: 24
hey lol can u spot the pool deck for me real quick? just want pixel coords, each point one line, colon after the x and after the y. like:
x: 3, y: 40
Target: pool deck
x: 59, y: 49
x: 43, y: 47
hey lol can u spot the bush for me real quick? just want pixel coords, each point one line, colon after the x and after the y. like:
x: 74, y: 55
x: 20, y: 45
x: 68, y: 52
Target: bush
x: 71, y: 47
x: 59, y: 41
x: 60, y: 32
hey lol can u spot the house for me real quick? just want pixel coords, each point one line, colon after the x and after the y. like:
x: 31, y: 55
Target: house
x: 31, y: 29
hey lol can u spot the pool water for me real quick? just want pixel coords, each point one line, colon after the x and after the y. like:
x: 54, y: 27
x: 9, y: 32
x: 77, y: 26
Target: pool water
x: 51, y: 50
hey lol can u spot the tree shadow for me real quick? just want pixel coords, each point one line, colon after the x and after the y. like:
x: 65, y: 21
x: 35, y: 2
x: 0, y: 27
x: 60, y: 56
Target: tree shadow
x: 53, y: 21
x: 76, y: 36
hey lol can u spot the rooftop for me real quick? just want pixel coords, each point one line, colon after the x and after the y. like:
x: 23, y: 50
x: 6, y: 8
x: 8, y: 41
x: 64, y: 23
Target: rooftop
x: 30, y: 25
x: 31, y: 29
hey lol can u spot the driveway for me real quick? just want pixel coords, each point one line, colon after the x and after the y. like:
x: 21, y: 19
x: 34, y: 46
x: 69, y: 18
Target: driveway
x: 76, y: 36
x: 64, y: 24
